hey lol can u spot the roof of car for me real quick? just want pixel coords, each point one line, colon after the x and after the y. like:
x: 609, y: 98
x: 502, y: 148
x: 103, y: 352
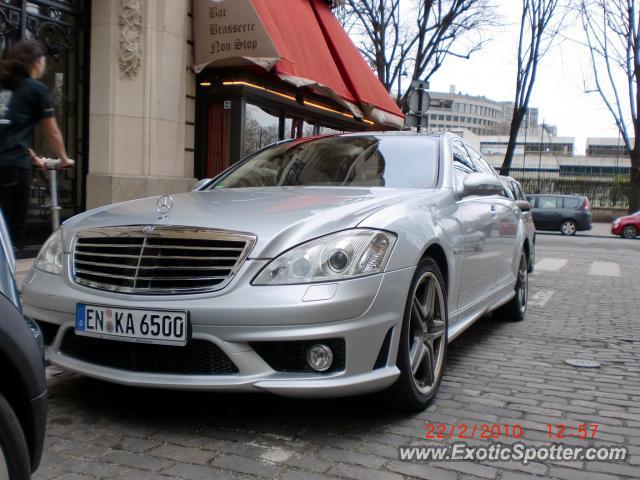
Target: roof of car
x: 569, y: 195
x: 391, y: 133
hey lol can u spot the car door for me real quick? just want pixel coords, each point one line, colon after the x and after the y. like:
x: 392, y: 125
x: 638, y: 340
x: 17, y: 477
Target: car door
x: 546, y: 215
x: 474, y: 212
x: 505, y: 214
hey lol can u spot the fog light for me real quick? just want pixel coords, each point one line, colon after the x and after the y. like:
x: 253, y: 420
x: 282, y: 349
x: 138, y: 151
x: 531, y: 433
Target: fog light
x: 319, y: 357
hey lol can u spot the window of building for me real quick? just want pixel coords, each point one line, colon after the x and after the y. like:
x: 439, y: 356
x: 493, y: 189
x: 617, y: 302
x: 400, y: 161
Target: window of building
x: 296, y: 127
x: 261, y: 128
x: 328, y: 130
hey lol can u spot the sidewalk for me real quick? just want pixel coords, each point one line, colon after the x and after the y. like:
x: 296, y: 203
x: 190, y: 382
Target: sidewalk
x: 599, y: 230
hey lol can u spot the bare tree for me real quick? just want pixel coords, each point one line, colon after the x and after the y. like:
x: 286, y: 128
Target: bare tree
x: 395, y: 45
x: 441, y: 27
x: 384, y: 39
x: 613, y: 39
x: 540, y: 21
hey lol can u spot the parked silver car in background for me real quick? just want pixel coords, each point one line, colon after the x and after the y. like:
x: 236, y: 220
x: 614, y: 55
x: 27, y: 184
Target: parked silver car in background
x: 514, y: 188
x: 322, y: 266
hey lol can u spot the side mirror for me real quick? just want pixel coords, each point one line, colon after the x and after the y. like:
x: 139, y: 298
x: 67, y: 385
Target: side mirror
x: 523, y: 205
x: 481, y: 184
x: 199, y: 184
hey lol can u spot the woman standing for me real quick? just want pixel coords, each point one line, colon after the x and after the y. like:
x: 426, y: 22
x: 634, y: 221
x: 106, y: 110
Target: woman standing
x: 24, y: 103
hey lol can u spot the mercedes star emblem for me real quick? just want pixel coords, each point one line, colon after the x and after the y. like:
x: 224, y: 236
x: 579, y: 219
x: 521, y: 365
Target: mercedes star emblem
x: 165, y: 203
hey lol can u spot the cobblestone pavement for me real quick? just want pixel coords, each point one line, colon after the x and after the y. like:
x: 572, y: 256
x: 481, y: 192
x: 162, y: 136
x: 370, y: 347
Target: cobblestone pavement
x: 496, y: 372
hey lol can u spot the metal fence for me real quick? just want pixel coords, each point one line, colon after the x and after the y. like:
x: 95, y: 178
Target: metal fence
x: 602, y: 190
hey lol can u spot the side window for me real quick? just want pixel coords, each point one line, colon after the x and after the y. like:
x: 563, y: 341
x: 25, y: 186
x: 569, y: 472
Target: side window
x: 480, y: 162
x: 517, y: 191
x: 547, y: 202
x: 510, y: 191
x: 462, y: 164
x: 571, y: 202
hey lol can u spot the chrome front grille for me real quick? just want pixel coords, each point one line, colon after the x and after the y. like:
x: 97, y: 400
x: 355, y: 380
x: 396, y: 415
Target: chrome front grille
x: 158, y: 259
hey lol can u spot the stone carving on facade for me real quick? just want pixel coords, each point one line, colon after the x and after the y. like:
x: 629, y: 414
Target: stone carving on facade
x: 130, y: 51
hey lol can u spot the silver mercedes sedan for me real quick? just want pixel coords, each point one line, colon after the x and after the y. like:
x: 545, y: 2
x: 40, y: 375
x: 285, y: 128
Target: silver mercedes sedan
x: 322, y: 266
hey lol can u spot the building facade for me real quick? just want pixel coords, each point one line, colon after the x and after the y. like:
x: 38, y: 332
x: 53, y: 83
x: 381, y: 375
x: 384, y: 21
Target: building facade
x: 454, y: 111
x: 544, y: 144
x: 451, y: 111
x: 606, y: 146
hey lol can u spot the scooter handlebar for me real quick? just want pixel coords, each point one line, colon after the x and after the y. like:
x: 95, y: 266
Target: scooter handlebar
x: 52, y: 163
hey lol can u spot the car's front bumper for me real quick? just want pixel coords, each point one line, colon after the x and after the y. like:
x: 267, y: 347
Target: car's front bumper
x: 360, y: 311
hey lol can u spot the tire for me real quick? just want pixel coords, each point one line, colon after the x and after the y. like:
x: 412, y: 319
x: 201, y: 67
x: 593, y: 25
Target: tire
x: 516, y: 309
x: 568, y: 227
x: 423, y: 338
x: 629, y: 231
x: 14, y: 454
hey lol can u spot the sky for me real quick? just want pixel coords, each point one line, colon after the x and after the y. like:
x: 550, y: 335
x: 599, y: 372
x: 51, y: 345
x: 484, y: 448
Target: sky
x: 559, y: 88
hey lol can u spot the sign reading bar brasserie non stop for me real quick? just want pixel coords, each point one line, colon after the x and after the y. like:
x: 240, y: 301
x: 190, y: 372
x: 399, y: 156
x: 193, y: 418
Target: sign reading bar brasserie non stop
x: 230, y: 33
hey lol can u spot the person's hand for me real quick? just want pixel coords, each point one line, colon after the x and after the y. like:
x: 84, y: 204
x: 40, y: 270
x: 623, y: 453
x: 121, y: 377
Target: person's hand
x: 37, y: 161
x: 66, y: 163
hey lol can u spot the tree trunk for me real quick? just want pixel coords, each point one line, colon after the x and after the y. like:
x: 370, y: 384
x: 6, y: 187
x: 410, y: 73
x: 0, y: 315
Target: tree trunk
x: 516, y: 121
x: 634, y: 174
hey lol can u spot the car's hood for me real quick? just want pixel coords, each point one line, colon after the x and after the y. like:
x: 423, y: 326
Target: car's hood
x: 280, y: 217
x: 634, y: 217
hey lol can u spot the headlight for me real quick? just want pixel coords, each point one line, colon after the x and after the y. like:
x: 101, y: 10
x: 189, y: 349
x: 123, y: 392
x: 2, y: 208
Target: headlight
x: 348, y: 254
x: 50, y: 257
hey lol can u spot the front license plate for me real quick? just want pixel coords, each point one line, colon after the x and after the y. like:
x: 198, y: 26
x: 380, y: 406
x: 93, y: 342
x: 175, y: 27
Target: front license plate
x: 132, y: 324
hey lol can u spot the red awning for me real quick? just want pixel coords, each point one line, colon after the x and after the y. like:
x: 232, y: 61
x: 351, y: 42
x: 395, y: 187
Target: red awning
x: 370, y: 93
x: 316, y: 52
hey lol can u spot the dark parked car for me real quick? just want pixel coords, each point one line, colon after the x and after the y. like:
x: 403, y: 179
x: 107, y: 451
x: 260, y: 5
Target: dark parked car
x: 23, y: 395
x: 628, y: 226
x: 565, y: 213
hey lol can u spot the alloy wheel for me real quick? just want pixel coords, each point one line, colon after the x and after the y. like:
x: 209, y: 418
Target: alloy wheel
x: 427, y: 335
x: 629, y: 231
x: 568, y: 227
x: 522, y: 284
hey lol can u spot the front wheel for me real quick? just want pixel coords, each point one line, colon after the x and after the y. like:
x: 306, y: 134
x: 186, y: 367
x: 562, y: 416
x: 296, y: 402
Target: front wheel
x: 516, y: 309
x: 14, y: 455
x: 568, y: 227
x: 423, y: 339
x: 629, y: 231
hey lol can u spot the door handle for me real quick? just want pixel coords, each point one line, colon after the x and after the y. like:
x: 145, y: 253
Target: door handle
x: 494, y: 211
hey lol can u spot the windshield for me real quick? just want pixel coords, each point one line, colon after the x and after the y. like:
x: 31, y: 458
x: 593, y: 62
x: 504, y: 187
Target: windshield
x: 362, y: 160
